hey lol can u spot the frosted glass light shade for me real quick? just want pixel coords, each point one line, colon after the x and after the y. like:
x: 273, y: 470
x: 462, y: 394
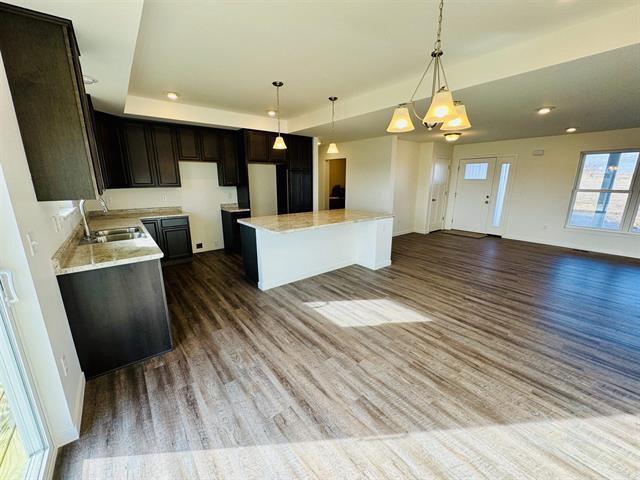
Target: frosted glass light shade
x: 401, y: 121
x: 333, y: 148
x: 279, y: 144
x: 441, y: 109
x: 460, y: 122
x: 452, y: 137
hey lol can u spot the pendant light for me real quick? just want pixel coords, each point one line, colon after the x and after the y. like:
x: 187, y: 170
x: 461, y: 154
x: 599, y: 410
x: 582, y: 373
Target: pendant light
x: 333, y: 148
x: 460, y: 122
x: 279, y: 143
x: 442, y: 108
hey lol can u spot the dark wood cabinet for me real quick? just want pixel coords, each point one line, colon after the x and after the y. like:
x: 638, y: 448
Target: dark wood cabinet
x: 188, y: 143
x: 108, y: 137
x: 173, y: 237
x: 300, y: 191
x: 228, y: 165
x: 138, y: 155
x: 117, y: 315
x: 167, y: 169
x: 211, y: 146
x: 150, y: 155
x: 231, y: 229
x: 40, y: 56
x: 256, y: 146
x: 300, y: 152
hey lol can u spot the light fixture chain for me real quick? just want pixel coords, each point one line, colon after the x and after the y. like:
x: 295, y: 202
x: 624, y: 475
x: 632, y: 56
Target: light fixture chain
x: 438, y: 42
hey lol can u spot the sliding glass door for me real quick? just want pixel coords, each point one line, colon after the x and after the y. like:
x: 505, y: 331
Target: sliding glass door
x: 23, y: 443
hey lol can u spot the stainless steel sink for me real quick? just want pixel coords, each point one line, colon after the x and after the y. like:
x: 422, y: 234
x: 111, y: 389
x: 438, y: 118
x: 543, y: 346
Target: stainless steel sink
x: 116, y: 235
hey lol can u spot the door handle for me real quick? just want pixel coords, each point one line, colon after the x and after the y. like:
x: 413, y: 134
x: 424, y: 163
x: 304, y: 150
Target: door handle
x: 433, y: 199
x: 8, y: 289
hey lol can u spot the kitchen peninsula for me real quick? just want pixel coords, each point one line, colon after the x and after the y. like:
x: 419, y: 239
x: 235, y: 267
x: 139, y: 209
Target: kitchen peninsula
x: 280, y: 249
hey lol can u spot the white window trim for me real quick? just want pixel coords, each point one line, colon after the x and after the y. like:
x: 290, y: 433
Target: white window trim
x: 633, y: 202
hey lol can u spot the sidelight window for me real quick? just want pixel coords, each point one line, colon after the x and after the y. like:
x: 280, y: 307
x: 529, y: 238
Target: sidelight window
x: 607, y: 192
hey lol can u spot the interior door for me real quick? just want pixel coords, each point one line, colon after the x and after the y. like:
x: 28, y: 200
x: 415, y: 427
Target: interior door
x: 473, y: 194
x: 23, y: 443
x: 437, y: 205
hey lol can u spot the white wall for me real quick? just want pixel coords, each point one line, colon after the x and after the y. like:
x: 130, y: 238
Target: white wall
x: 263, y: 189
x: 200, y: 196
x: 41, y: 320
x: 370, y: 173
x: 541, y: 192
x: 405, y: 187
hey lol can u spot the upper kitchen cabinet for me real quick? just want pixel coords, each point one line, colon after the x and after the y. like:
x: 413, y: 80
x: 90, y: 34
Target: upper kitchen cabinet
x: 300, y: 152
x: 229, y: 163
x: 40, y: 56
x: 256, y: 145
x: 211, y: 144
x: 150, y: 155
x: 108, y: 136
x: 188, y: 143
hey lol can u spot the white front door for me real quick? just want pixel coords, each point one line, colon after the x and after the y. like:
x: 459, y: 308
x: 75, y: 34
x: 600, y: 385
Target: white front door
x: 473, y: 194
x: 437, y: 201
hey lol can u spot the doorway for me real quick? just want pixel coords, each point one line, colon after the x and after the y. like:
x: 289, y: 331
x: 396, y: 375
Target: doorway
x: 23, y: 443
x: 481, y: 197
x: 438, y: 198
x: 337, y: 183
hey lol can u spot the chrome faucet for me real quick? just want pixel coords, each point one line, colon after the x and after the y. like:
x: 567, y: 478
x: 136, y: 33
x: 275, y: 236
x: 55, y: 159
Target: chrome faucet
x: 85, y: 224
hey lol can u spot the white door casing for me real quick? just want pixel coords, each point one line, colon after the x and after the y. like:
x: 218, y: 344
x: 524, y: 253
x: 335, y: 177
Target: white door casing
x: 438, y: 193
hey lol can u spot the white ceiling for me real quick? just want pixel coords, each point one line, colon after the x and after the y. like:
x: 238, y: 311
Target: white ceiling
x: 225, y: 54
x: 600, y: 92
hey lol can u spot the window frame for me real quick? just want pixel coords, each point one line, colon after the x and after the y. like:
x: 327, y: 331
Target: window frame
x: 633, y: 201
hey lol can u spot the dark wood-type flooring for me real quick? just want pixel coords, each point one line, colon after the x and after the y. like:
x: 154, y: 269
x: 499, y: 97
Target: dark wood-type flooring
x: 467, y: 358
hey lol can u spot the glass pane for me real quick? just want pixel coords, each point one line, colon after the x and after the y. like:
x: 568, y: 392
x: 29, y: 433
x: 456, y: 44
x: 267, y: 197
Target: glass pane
x: 476, y: 171
x: 598, y: 210
x: 636, y: 222
x: 502, y: 190
x: 13, y: 459
x: 608, y: 171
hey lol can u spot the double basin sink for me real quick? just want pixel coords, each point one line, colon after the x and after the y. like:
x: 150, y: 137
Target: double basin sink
x: 116, y: 235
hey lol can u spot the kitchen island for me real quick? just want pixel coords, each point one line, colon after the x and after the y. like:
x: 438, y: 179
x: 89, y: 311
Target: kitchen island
x: 280, y: 249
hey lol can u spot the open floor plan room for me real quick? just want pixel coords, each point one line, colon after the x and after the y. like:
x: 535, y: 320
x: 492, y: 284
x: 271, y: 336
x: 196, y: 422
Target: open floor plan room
x: 409, y: 372
x: 328, y: 240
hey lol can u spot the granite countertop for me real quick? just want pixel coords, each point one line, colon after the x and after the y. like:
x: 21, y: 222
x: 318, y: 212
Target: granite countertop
x: 233, y: 207
x: 73, y: 257
x: 294, y: 222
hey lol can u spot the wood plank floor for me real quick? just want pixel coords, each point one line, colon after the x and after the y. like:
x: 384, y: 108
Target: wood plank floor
x: 467, y: 358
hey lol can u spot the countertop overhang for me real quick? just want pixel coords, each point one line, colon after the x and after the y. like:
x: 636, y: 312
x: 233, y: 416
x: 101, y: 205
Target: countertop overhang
x: 294, y: 222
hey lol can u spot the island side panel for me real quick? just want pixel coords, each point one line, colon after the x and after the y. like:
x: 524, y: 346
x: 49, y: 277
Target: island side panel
x: 118, y: 315
x: 249, y: 253
x: 287, y: 257
x: 374, y: 244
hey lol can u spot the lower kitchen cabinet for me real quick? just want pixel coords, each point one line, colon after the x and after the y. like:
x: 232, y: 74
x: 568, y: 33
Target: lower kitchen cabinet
x: 300, y: 191
x: 231, y: 229
x: 173, y: 237
x: 118, y: 315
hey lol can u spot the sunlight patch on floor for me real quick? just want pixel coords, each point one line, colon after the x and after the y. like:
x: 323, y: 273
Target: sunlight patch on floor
x: 366, y: 313
x: 530, y: 450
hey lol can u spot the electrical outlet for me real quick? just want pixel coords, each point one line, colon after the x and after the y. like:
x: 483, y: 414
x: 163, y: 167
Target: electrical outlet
x: 56, y: 223
x: 199, y: 245
x: 63, y: 363
x: 33, y: 245
x: 163, y: 197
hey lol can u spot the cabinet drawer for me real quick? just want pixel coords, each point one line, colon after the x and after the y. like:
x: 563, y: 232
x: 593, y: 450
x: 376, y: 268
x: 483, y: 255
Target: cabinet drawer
x: 174, y: 222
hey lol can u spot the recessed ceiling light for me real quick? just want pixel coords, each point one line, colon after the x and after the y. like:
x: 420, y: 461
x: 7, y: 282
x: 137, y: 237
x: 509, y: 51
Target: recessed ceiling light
x: 271, y: 113
x: 173, y: 95
x: 545, y: 110
x: 452, y: 137
x: 319, y: 143
x: 571, y: 129
x: 87, y: 80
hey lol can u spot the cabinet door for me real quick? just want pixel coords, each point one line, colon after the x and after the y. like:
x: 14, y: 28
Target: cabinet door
x: 154, y: 230
x: 300, y: 191
x: 110, y: 151
x: 228, y: 174
x: 256, y: 146
x: 138, y: 156
x: 277, y: 156
x: 168, y: 171
x: 40, y: 59
x: 90, y: 124
x: 211, y: 145
x: 188, y: 144
x: 300, y: 153
x: 177, y: 243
